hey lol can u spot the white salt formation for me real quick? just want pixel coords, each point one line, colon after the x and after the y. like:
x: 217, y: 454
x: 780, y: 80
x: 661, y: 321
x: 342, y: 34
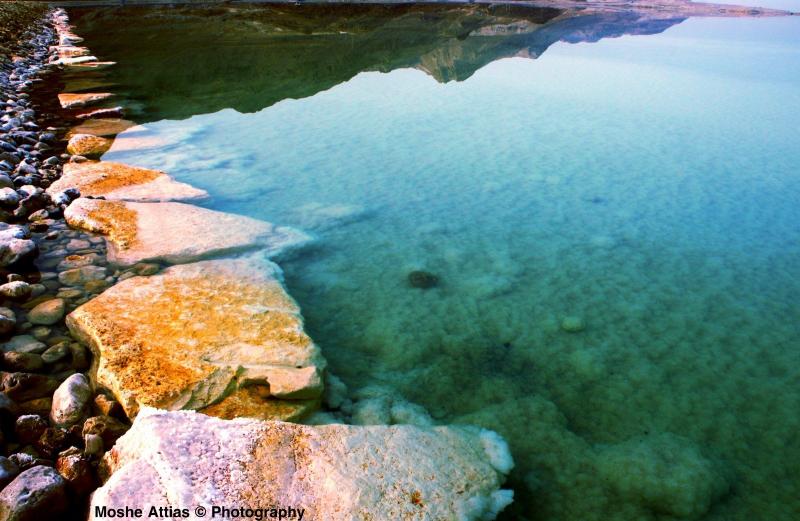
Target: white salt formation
x: 334, y: 472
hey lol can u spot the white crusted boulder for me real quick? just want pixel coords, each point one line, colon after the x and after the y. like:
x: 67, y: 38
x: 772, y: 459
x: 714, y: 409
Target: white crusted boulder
x: 332, y: 472
x: 219, y: 336
x: 117, y: 181
x: 176, y: 232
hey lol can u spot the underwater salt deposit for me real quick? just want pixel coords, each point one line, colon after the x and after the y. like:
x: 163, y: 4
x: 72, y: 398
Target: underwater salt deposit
x: 607, y: 235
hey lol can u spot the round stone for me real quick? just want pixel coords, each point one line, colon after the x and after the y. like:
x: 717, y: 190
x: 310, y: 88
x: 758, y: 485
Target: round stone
x: 48, y: 313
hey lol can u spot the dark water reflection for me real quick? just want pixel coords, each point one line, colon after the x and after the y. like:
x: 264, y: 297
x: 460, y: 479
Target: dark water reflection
x: 203, y: 59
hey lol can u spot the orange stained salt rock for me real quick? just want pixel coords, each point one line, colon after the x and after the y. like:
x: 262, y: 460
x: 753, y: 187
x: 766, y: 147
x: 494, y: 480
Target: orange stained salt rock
x: 88, y: 146
x: 116, y: 221
x: 71, y: 100
x: 188, y: 337
x: 176, y: 232
x: 122, y: 182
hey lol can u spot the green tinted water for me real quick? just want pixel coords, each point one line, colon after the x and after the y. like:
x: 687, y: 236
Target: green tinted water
x: 645, y: 187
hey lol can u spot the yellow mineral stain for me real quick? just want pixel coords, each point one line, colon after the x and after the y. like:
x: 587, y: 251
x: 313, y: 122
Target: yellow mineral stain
x: 117, y: 221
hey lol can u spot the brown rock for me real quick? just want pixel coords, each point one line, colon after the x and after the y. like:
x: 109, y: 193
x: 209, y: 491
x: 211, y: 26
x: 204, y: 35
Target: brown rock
x: 96, y: 286
x: 77, y: 470
x: 22, y: 387
x: 108, y: 406
x: 40, y: 406
x: 29, y: 428
x: 52, y: 441
x: 48, y: 313
x: 26, y: 362
x: 108, y: 428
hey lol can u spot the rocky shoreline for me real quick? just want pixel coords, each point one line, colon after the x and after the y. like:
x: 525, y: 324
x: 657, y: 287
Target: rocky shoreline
x: 98, y: 334
x: 54, y: 425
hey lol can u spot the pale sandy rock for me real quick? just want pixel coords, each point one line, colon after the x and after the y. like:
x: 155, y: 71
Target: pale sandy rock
x: 81, y: 64
x: 87, y: 145
x: 99, y: 113
x: 176, y: 232
x: 72, y: 51
x: 333, y: 472
x: 219, y: 336
x: 117, y: 181
x: 103, y: 127
x: 71, y: 101
x: 75, y: 60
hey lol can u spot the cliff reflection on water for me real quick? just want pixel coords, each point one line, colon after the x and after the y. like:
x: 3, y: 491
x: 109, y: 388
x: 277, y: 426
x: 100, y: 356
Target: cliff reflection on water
x: 250, y: 57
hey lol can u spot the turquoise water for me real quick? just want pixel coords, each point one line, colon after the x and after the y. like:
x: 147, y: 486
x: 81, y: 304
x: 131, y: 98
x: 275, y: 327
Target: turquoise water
x: 645, y: 186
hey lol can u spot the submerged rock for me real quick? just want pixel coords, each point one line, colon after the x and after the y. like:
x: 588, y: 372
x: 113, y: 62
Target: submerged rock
x: 48, y: 313
x: 116, y: 181
x: 666, y: 474
x: 24, y: 344
x: 15, y: 290
x: 321, y: 216
x: 175, y: 232
x: 573, y: 324
x: 22, y: 387
x: 422, y: 279
x: 335, y: 472
x: 219, y: 336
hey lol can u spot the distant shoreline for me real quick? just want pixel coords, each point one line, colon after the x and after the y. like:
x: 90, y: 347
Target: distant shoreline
x: 682, y: 7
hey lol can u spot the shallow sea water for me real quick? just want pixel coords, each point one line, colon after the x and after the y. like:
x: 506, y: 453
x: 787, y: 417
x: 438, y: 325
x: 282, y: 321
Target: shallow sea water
x: 646, y: 185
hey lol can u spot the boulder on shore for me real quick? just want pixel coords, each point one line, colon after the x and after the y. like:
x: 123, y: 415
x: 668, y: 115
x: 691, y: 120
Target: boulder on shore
x: 89, y: 146
x: 222, y: 337
x: 333, y: 472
